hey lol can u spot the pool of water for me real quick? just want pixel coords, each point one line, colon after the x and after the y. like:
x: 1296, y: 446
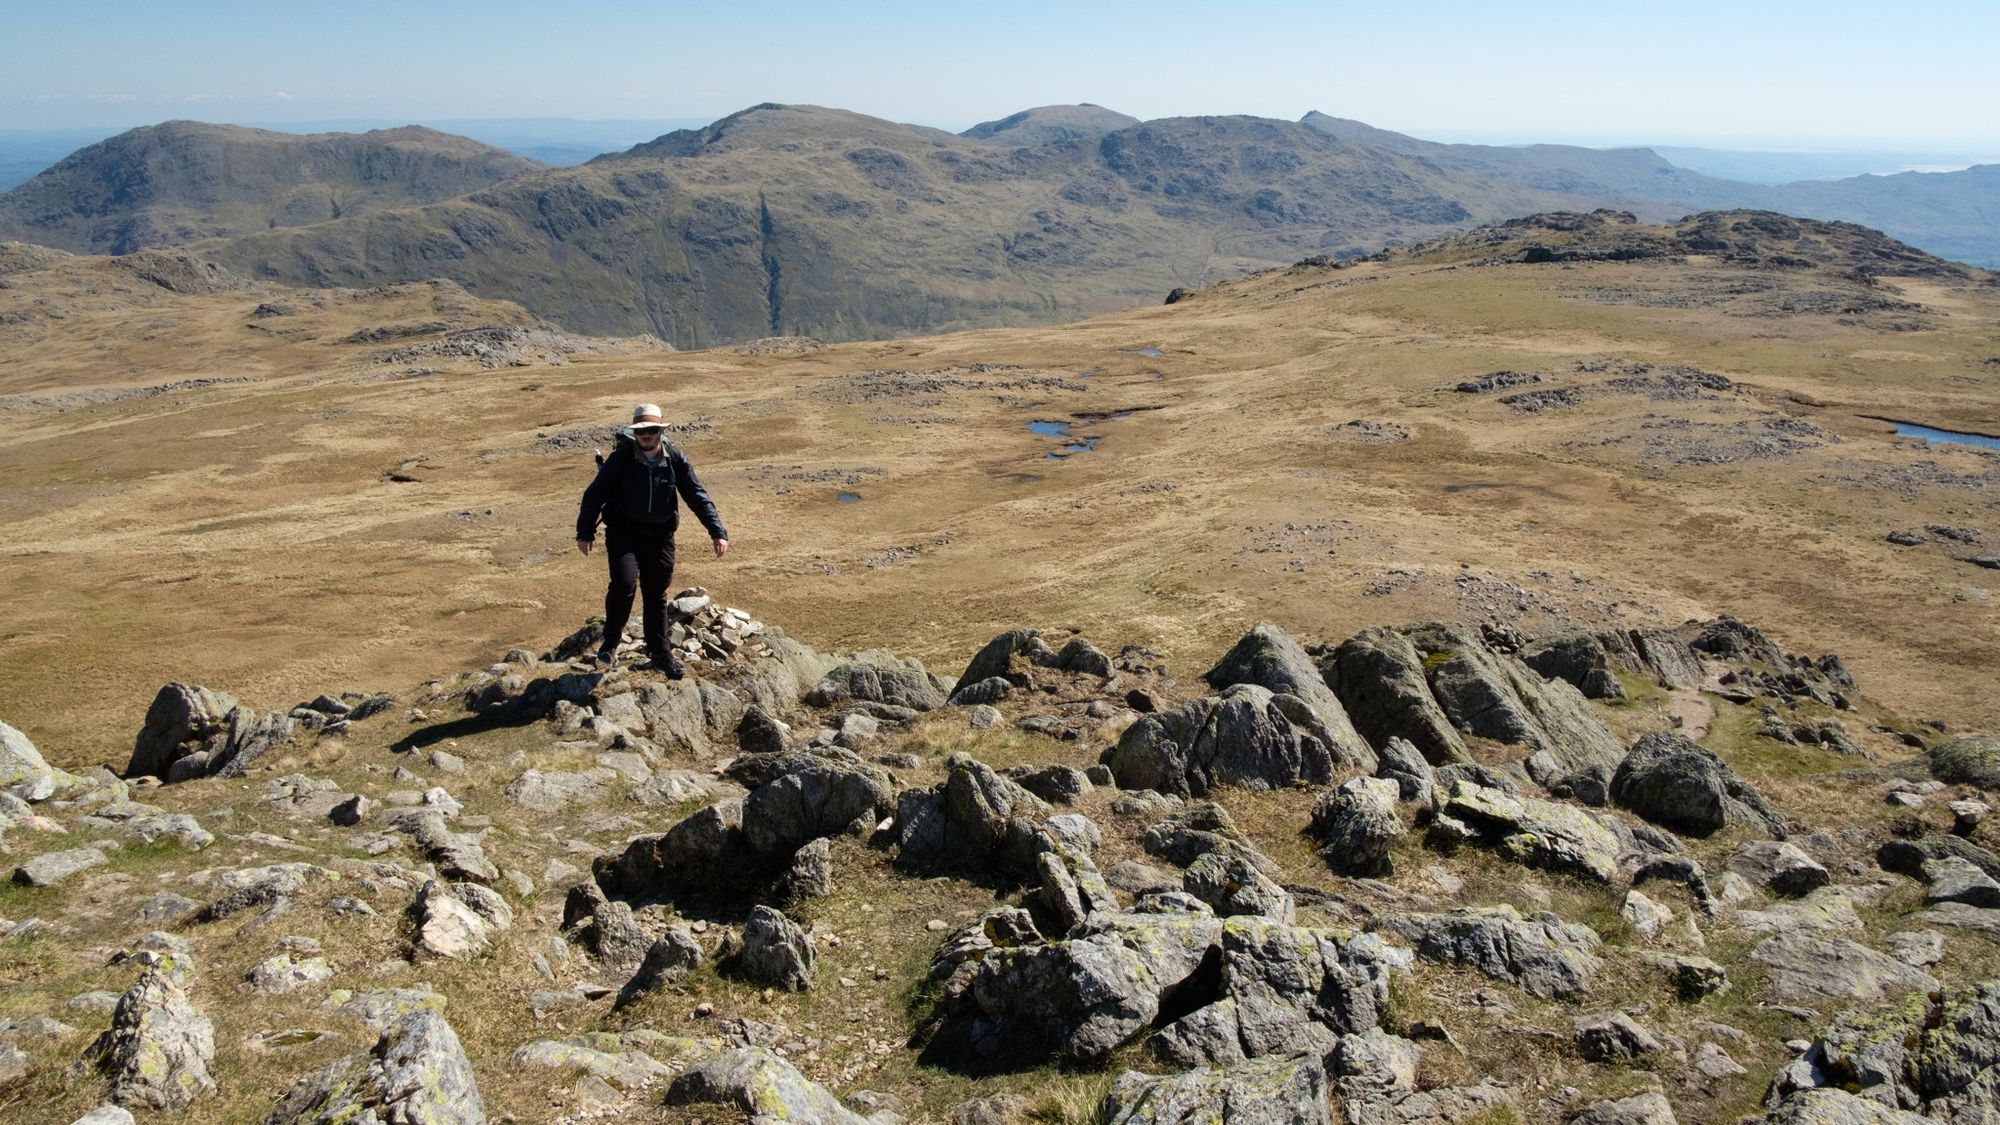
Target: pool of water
x: 847, y: 498
x: 1050, y: 429
x: 1943, y: 437
x: 1149, y: 353
x: 1084, y: 446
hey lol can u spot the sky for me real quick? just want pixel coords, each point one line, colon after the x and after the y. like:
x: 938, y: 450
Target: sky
x: 1781, y: 75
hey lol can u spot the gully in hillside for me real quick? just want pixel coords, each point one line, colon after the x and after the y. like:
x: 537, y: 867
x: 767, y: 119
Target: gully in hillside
x: 637, y: 492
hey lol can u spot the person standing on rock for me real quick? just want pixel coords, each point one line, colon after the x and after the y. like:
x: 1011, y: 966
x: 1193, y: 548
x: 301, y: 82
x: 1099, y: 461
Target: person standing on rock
x: 637, y: 492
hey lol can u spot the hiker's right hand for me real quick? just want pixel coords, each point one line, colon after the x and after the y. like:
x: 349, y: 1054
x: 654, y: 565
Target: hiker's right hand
x: 583, y: 546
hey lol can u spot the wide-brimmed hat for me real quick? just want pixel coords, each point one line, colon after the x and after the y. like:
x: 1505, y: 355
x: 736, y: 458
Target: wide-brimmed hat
x: 647, y: 416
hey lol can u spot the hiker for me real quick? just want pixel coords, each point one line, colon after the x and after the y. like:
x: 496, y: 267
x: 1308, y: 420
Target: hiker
x: 635, y: 491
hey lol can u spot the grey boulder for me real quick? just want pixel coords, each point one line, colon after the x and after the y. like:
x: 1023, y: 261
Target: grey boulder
x: 775, y: 951
x: 1542, y: 955
x: 1357, y: 824
x: 1675, y: 782
x: 759, y: 1083
x: 1967, y: 761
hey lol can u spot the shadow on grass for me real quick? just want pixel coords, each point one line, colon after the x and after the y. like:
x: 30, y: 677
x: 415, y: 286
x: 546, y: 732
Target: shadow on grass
x: 503, y: 718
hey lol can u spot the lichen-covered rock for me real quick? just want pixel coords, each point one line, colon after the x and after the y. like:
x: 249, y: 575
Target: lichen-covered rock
x: 1672, y: 662
x: 188, y: 724
x: 1357, y: 824
x: 1535, y: 833
x: 457, y: 921
x: 1268, y: 657
x: 22, y: 768
x: 1542, y: 955
x: 705, y: 848
x: 1649, y: 1108
x: 1245, y: 737
x: 555, y: 790
x: 1401, y: 763
x: 1277, y: 1090
x: 415, y: 1074
x: 1838, y: 1107
x: 759, y: 1082
x: 1231, y: 885
x: 1967, y: 761
x: 1938, y: 1055
x: 601, y: 1055
x: 159, y: 1047
x: 50, y: 868
x: 1612, y: 1035
x: 1675, y: 782
x: 810, y: 874
x: 1489, y: 695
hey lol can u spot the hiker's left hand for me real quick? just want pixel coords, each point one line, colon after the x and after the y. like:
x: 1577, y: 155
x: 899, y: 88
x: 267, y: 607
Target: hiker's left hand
x: 721, y: 547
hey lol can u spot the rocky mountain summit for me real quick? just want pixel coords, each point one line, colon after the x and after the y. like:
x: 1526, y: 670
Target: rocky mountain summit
x: 180, y: 181
x: 1435, y: 872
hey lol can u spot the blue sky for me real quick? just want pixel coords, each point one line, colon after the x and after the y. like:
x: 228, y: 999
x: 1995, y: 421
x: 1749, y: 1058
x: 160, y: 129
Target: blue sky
x: 1782, y: 74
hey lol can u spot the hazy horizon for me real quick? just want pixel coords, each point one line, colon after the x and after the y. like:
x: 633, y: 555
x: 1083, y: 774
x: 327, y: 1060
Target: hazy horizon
x: 1833, y: 77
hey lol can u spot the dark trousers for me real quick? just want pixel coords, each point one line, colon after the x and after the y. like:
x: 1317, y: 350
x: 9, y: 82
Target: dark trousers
x: 642, y: 561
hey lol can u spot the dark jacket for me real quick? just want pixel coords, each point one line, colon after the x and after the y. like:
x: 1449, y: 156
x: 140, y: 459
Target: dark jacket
x: 629, y: 493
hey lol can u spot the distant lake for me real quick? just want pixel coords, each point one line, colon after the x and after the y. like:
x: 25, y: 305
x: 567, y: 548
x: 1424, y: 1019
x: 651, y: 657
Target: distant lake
x: 1943, y: 437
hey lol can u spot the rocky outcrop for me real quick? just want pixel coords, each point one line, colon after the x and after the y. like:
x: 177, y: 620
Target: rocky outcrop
x: 1279, y: 1090
x: 1269, y: 658
x: 1677, y: 783
x: 1245, y: 737
x: 812, y: 797
x: 1282, y: 990
x: 1379, y: 679
x: 1542, y: 955
x: 1078, y: 998
x: 1579, y: 660
x: 1435, y: 684
x: 1231, y: 885
x: 416, y: 1072
x: 159, y: 1047
x: 194, y: 732
x: 973, y: 820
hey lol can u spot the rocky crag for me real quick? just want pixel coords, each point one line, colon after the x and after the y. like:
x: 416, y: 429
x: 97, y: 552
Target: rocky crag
x: 1437, y: 872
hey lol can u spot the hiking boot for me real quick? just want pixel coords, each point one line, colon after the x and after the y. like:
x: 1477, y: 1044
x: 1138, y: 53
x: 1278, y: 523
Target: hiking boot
x: 668, y: 665
x: 606, y: 657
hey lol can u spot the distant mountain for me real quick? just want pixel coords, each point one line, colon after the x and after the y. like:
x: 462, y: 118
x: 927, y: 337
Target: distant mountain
x: 806, y: 220
x: 1621, y: 173
x: 185, y: 180
x: 1956, y: 214
x: 1045, y: 124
